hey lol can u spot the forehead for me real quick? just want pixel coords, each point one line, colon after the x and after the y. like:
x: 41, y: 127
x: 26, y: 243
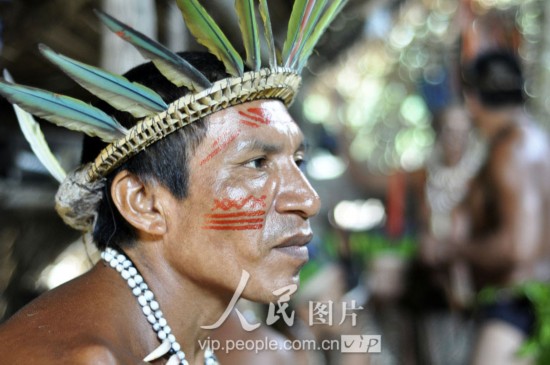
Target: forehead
x: 260, y: 119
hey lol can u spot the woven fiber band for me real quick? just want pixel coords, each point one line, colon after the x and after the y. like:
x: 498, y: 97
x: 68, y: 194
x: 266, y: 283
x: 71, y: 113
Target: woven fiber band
x: 280, y: 83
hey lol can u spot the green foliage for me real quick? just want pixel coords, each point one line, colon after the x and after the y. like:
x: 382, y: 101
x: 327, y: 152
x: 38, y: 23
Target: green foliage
x: 538, y: 345
x: 309, y: 270
x: 364, y: 247
x: 369, y: 246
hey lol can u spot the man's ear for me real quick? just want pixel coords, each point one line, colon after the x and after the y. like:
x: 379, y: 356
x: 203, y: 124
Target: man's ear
x: 138, y: 202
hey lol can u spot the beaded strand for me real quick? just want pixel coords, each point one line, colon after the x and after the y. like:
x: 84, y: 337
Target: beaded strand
x: 146, y: 299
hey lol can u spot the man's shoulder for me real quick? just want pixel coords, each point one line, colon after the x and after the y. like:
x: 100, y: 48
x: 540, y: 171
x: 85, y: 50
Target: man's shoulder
x: 521, y: 145
x: 56, y: 349
x: 68, y: 325
x: 67, y: 307
x: 36, y: 336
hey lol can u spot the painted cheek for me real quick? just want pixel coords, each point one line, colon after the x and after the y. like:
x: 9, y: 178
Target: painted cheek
x: 236, y: 214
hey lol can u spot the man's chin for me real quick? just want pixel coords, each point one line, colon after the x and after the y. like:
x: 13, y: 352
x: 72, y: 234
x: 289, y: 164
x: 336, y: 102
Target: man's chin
x: 274, y: 291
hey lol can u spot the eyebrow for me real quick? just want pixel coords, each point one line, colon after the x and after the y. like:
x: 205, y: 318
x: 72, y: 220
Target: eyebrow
x: 270, y: 148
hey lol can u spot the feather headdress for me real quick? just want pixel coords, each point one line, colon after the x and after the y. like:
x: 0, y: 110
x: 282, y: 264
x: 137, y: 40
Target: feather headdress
x: 279, y: 80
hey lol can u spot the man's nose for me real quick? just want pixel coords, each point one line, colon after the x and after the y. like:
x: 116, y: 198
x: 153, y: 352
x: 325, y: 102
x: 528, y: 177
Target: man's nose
x: 296, y: 195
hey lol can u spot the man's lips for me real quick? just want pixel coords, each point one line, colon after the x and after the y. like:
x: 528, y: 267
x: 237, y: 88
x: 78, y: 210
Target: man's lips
x: 295, y: 246
x: 296, y: 240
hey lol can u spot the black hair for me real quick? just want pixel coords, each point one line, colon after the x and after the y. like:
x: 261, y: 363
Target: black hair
x: 164, y: 162
x: 496, y: 78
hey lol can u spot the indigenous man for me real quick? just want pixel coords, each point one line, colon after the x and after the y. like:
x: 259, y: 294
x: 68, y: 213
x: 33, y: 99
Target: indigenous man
x: 202, y: 198
x: 502, y: 229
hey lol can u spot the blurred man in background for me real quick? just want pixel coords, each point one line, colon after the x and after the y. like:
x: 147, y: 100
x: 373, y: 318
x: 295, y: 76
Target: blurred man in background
x: 501, y: 229
x: 441, y: 294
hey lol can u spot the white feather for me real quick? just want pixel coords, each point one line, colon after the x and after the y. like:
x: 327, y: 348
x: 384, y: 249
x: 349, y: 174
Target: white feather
x: 35, y: 137
x: 33, y: 134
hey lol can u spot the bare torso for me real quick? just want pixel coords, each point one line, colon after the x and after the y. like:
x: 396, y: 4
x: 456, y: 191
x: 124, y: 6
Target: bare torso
x: 509, y: 208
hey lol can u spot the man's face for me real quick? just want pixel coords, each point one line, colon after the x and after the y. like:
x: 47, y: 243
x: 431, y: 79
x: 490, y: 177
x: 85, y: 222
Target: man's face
x: 455, y: 131
x: 248, y: 204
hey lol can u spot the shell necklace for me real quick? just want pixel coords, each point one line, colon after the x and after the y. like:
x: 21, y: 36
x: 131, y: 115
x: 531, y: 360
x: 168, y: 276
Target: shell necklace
x: 151, y: 310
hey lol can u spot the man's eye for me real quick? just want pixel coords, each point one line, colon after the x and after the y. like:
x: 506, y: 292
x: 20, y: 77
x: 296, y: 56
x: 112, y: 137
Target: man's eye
x: 257, y: 163
x: 300, y: 162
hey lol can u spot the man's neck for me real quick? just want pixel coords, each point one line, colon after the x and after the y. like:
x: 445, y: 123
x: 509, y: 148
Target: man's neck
x: 186, y: 305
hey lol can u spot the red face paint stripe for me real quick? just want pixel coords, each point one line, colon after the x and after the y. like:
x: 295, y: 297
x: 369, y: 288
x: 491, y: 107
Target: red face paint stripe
x: 257, y: 111
x: 238, y: 204
x: 234, y: 215
x: 254, y: 118
x: 218, y: 149
x: 250, y: 124
x: 210, y: 155
x: 234, y: 228
x: 235, y: 221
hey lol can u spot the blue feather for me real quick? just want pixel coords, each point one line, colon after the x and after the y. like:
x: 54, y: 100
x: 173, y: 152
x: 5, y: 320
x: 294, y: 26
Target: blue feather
x: 173, y: 67
x: 124, y: 95
x: 64, y: 111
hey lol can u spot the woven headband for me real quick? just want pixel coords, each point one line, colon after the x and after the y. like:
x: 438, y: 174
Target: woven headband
x: 264, y: 84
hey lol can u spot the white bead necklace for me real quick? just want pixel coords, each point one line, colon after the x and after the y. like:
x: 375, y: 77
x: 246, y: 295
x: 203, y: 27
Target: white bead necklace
x: 151, y: 309
x: 446, y: 186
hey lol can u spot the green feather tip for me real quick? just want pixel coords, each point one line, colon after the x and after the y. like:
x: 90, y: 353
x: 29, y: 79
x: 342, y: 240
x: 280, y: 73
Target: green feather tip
x: 249, y: 30
x: 207, y: 32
